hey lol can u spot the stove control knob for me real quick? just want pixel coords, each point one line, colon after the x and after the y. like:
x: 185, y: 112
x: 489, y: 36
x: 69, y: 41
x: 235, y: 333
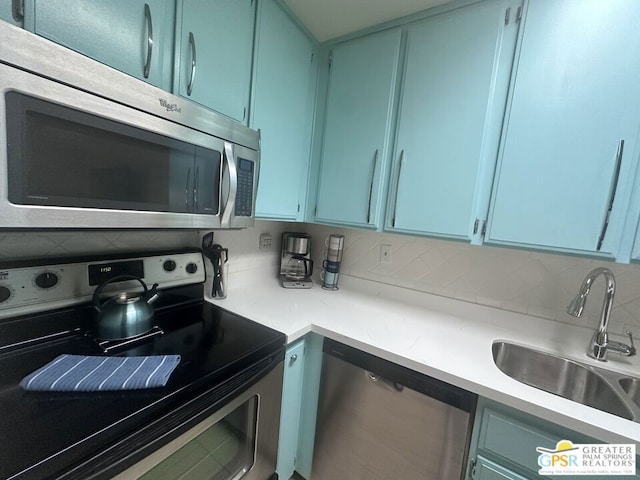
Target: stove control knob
x: 169, y: 266
x: 47, y: 280
x: 5, y: 293
x: 192, y: 268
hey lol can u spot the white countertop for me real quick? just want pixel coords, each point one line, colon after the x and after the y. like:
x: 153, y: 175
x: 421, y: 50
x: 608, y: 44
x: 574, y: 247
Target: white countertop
x: 437, y: 336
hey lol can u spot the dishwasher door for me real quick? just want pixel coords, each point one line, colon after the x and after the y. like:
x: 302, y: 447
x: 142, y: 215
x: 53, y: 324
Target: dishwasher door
x: 380, y: 421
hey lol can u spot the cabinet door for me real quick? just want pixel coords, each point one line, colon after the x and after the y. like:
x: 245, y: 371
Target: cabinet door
x: 133, y: 36
x: 356, y: 143
x: 12, y: 11
x: 290, y: 412
x: 487, y: 470
x: 214, y: 53
x: 453, y: 96
x: 569, y: 140
x: 284, y: 83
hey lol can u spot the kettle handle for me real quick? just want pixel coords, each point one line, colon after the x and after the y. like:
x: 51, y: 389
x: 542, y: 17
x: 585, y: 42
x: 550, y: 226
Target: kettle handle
x: 119, y: 278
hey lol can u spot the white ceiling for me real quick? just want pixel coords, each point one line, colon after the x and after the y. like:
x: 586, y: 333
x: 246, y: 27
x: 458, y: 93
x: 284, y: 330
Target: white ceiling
x: 328, y: 19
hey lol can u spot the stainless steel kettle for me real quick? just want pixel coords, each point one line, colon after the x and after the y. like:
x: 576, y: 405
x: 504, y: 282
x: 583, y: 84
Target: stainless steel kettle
x: 126, y: 314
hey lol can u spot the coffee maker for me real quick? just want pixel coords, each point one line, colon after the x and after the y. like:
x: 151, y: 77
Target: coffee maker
x: 296, y: 265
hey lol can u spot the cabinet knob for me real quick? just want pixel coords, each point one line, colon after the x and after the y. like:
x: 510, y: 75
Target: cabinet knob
x: 293, y: 359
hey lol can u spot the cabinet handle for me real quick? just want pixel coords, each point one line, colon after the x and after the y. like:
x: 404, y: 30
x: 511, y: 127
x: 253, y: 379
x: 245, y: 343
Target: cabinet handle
x: 17, y: 10
x: 196, y: 181
x: 192, y: 75
x: 612, y: 195
x: 186, y: 188
x: 373, y: 176
x: 147, y: 16
x: 385, y: 382
x: 395, y: 202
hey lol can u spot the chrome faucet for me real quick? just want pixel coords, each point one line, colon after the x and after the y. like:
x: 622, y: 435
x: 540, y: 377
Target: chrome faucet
x: 600, y: 343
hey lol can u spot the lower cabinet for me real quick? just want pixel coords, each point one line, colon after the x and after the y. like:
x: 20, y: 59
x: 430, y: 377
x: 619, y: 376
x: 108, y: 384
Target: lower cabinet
x: 301, y: 384
x: 505, y: 441
x: 487, y: 470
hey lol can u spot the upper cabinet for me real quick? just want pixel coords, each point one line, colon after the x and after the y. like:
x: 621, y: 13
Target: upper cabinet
x: 569, y: 143
x: 214, y: 46
x: 133, y: 36
x: 282, y: 109
x: 358, y: 127
x: 454, y: 90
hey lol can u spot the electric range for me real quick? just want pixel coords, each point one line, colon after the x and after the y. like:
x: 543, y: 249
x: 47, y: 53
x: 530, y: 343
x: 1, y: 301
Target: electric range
x: 98, y: 434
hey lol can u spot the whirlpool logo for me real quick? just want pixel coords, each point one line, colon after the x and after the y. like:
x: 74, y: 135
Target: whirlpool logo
x: 587, y: 459
x: 170, y: 107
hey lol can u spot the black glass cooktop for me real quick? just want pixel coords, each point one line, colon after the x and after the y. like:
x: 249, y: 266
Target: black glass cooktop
x: 42, y: 433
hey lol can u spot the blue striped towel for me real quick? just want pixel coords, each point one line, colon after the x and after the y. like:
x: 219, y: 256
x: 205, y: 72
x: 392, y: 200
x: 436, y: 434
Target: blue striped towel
x: 79, y: 373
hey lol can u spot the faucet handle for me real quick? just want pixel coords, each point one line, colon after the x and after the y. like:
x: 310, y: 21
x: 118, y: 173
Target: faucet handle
x: 632, y: 348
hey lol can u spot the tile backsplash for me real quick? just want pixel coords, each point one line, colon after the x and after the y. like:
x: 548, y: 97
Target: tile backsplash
x: 534, y: 283
x: 243, y: 244
x: 64, y: 243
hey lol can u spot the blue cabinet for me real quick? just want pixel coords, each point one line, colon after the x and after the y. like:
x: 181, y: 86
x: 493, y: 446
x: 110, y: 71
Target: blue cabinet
x: 358, y: 127
x: 282, y: 109
x: 301, y: 384
x: 133, y: 36
x: 484, y: 469
x: 504, y: 442
x: 290, y: 410
x: 451, y: 109
x: 569, y: 142
x: 11, y: 11
x: 214, y: 46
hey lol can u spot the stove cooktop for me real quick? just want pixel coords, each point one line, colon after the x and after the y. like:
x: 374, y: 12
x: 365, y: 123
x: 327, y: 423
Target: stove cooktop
x: 46, y: 433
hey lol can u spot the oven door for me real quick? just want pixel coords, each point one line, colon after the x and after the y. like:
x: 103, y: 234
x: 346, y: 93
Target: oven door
x: 238, y: 441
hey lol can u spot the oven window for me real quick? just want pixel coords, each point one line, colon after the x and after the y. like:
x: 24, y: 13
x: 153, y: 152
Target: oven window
x: 222, y: 451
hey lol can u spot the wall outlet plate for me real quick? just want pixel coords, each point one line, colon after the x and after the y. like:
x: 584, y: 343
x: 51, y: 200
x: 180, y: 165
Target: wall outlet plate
x: 265, y: 241
x: 385, y: 253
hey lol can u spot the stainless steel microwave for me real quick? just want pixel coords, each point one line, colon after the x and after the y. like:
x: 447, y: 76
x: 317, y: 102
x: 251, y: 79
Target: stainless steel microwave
x: 85, y: 146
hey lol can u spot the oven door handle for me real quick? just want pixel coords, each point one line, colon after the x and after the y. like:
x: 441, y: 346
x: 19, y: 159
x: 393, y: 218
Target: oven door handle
x: 230, y: 165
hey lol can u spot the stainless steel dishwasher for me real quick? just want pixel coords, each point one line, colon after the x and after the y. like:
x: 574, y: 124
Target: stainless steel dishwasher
x: 380, y: 421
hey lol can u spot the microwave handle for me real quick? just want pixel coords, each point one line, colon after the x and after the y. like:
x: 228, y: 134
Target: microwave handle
x: 230, y: 159
x: 187, y: 192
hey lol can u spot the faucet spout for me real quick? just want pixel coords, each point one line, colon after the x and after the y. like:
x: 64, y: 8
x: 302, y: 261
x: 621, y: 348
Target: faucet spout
x: 600, y: 340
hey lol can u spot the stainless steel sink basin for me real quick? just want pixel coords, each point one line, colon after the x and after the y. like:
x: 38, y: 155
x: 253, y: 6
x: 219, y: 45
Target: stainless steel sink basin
x: 585, y: 384
x: 631, y: 386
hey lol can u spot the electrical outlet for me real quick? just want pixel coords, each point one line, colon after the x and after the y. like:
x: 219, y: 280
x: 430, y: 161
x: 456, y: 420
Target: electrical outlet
x: 265, y: 241
x: 385, y: 253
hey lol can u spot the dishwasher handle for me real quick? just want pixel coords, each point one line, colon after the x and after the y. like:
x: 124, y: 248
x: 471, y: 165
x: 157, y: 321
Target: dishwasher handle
x: 384, y: 382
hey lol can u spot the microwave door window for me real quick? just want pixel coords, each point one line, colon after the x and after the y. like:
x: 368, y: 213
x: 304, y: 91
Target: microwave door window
x: 207, y: 181
x: 65, y: 157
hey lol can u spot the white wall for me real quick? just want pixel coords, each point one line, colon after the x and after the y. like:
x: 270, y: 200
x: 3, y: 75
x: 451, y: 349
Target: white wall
x: 534, y: 283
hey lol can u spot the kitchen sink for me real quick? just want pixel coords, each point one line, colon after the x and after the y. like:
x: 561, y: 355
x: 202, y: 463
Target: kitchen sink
x: 595, y: 387
x: 631, y: 386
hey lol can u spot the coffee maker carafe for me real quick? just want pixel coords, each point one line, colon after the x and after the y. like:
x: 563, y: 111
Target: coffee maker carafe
x: 296, y: 265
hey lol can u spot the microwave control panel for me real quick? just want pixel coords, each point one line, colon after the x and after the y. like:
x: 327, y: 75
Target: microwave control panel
x: 244, y: 193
